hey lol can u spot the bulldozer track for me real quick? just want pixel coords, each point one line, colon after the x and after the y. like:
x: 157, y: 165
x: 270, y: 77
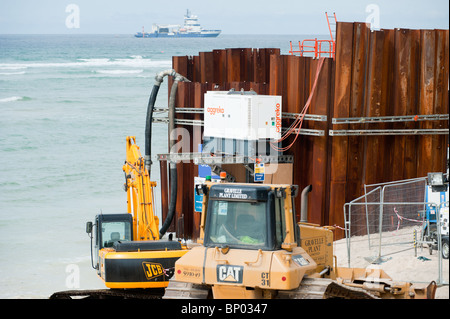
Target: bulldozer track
x: 324, y: 288
x: 310, y: 288
x: 184, y: 290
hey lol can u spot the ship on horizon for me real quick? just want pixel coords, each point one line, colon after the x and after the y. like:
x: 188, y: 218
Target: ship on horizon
x: 190, y: 29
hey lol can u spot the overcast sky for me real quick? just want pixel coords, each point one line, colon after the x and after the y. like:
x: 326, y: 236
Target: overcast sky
x: 231, y: 16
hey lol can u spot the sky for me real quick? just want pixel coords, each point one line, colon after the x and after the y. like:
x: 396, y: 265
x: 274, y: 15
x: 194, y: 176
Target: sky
x: 230, y: 16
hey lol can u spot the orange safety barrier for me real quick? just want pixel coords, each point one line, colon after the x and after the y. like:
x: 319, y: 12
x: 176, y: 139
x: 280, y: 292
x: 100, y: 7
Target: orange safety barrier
x: 315, y: 46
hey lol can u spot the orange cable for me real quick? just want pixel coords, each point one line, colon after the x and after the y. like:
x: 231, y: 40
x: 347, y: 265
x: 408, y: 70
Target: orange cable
x: 299, y: 120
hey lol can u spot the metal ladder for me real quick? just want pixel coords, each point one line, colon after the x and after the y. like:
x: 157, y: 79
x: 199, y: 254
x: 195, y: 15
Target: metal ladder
x: 331, y: 20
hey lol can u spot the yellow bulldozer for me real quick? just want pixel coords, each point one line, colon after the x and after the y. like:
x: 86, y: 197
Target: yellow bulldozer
x: 251, y: 246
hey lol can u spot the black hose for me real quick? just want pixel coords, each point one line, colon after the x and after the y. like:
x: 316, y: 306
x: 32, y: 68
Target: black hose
x: 148, y: 139
x: 148, y: 127
x: 173, y: 201
x: 173, y: 166
x: 149, y: 119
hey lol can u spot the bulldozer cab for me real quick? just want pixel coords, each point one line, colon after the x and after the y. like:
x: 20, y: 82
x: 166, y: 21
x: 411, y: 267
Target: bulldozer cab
x: 248, y: 217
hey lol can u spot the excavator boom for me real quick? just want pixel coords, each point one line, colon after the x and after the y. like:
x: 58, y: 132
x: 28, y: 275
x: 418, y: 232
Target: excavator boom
x: 139, y: 193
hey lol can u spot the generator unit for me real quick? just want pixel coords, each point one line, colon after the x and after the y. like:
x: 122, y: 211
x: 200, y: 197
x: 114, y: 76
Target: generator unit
x: 241, y: 123
x: 437, y: 192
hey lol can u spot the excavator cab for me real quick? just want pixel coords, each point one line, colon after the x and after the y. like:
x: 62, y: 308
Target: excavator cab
x: 107, y: 230
x: 122, y: 261
x: 114, y: 228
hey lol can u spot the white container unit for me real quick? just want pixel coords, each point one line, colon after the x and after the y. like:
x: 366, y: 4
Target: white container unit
x: 242, y: 116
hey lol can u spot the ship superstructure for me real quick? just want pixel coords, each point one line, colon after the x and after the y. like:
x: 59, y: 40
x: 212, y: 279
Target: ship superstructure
x: 190, y: 29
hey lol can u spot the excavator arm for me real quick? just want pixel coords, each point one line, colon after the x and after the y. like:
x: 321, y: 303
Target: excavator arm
x: 139, y: 190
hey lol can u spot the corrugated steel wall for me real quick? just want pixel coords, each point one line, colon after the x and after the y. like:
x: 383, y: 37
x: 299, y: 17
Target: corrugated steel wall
x: 380, y: 73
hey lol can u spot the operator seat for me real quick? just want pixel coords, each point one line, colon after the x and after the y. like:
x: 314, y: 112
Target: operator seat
x: 115, y: 236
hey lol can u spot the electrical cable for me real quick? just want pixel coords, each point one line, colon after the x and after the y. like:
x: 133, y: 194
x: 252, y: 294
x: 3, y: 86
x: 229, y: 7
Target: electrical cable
x: 297, y: 124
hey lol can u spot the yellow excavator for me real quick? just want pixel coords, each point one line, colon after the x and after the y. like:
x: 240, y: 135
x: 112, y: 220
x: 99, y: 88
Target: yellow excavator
x: 130, y: 252
x: 130, y: 257
x: 252, y: 247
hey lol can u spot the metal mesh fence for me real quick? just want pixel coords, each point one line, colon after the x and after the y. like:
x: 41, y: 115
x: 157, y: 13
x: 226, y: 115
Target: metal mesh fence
x: 402, y: 209
x: 387, y: 220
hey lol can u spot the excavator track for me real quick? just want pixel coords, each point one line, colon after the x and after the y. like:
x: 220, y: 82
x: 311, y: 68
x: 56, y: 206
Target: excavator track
x: 324, y: 288
x: 185, y: 290
x: 109, y: 294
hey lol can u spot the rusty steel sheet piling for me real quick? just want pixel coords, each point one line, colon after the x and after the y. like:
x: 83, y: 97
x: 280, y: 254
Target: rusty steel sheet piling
x: 375, y: 75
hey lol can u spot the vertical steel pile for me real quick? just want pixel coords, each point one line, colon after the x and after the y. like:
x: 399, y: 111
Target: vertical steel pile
x: 376, y: 73
x: 386, y: 73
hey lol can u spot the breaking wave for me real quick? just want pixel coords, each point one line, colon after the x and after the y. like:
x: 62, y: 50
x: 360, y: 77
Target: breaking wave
x: 119, y: 72
x: 14, y: 99
x: 6, y: 66
x: 136, y: 61
x: 12, y: 73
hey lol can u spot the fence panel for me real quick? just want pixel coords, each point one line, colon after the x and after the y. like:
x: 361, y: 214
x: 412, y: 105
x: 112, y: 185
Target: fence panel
x: 389, y: 221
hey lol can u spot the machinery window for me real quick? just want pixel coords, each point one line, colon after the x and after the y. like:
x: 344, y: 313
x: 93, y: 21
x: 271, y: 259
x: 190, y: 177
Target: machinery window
x: 236, y: 223
x: 280, y: 223
x: 115, y: 231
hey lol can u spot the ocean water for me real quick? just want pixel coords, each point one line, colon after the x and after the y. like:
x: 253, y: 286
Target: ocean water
x: 67, y: 104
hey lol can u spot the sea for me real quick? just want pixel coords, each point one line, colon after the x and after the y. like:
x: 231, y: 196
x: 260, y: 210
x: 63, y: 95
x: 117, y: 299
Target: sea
x: 67, y: 104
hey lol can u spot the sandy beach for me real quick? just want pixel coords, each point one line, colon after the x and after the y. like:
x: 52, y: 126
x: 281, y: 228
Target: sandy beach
x: 398, y: 260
